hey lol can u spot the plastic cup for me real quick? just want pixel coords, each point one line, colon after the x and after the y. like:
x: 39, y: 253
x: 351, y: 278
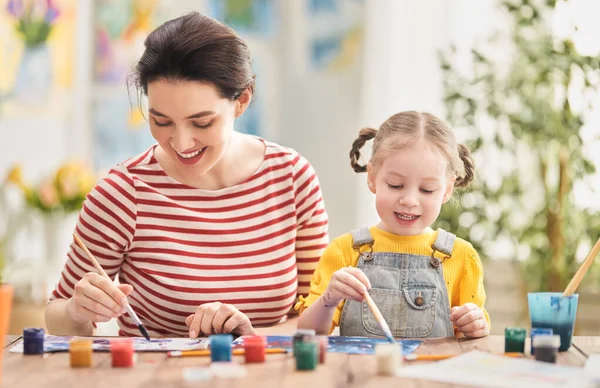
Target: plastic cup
x: 554, y: 311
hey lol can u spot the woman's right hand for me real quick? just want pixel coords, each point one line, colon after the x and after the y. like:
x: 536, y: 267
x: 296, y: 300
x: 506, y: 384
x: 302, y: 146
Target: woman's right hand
x: 97, y: 299
x: 346, y: 283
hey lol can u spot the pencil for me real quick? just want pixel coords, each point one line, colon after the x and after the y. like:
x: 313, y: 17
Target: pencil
x: 438, y: 357
x: 382, y: 323
x: 206, y: 352
x: 101, y: 271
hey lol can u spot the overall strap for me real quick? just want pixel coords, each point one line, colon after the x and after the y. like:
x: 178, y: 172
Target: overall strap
x: 361, y: 237
x: 444, y: 242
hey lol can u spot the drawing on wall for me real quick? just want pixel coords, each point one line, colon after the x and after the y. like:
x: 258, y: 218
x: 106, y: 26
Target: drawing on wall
x: 37, y: 50
x: 119, y: 128
x: 247, y: 17
x: 335, y: 30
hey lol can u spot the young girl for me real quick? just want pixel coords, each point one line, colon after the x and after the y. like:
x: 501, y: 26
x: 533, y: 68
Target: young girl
x: 209, y: 230
x: 427, y: 283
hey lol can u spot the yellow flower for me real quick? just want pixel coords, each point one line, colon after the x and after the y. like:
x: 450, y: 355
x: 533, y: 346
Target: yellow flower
x: 15, y: 177
x: 73, y: 180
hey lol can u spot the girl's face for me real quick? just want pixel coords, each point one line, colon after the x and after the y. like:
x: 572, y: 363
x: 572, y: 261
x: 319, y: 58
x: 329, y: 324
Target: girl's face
x: 410, y: 187
x: 192, y: 123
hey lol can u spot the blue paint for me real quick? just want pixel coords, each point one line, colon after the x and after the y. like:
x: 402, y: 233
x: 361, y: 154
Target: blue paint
x: 539, y: 331
x: 220, y: 347
x: 553, y: 311
x: 33, y: 341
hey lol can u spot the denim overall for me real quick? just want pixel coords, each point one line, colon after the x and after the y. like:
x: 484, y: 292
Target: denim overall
x: 408, y: 289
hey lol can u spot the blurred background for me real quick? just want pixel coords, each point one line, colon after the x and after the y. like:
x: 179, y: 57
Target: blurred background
x: 518, y: 81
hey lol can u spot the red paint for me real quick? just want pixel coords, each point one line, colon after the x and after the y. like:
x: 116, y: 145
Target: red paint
x: 254, y: 348
x: 322, y: 351
x: 122, y: 352
x: 323, y: 342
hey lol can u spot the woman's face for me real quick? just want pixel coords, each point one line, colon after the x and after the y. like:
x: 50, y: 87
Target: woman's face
x: 191, y: 122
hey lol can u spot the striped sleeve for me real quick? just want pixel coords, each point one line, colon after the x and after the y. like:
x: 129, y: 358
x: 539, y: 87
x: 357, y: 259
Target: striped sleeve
x: 312, y: 223
x: 106, y: 226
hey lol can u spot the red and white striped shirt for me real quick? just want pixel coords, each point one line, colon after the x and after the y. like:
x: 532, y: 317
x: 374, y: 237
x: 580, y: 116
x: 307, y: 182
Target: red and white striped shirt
x: 254, y: 245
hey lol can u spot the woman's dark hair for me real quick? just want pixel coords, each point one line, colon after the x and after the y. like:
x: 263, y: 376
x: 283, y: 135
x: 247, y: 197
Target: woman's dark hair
x: 195, y: 47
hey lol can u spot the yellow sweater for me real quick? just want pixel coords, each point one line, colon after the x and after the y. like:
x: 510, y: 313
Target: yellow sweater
x: 463, y: 272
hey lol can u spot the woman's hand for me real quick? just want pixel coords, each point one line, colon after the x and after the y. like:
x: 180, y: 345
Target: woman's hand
x: 470, y: 320
x: 97, y: 299
x: 346, y: 283
x: 218, y: 318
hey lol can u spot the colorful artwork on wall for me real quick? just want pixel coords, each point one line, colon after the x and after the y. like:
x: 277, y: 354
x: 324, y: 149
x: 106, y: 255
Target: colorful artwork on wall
x: 37, y: 50
x: 247, y: 17
x: 334, y: 33
x: 118, y: 126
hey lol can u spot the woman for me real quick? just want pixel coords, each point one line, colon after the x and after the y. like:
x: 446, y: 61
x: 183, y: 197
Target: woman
x: 210, y: 230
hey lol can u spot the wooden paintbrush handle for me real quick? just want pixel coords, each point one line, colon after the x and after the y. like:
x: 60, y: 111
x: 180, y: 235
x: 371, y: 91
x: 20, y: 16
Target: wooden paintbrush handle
x: 91, y: 257
x: 574, y: 283
x: 373, y: 307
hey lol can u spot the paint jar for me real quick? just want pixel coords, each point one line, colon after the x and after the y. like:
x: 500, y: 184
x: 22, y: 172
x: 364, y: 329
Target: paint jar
x: 299, y: 337
x: 80, y: 351
x: 254, y: 348
x: 306, y: 355
x: 220, y: 347
x: 555, y: 311
x: 514, y: 339
x: 389, y: 358
x: 322, y: 342
x: 33, y: 341
x: 122, y: 353
x: 546, y: 347
x: 538, y: 331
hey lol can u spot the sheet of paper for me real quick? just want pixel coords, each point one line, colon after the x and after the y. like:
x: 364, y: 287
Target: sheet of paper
x: 140, y: 344
x: 592, y: 368
x: 338, y: 344
x: 350, y: 345
x: 487, y: 370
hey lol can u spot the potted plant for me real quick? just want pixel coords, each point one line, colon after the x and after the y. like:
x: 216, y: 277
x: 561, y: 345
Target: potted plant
x: 525, y: 116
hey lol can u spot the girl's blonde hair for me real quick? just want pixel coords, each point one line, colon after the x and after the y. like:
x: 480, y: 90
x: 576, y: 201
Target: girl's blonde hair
x: 405, y: 129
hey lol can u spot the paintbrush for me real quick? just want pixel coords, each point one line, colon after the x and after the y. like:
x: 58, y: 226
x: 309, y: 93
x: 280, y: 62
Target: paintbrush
x: 438, y: 357
x: 578, y: 277
x: 101, y: 271
x: 382, y: 323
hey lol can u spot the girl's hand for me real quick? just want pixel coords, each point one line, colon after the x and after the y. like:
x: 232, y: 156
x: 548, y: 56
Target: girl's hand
x: 346, y: 283
x: 218, y: 318
x: 470, y: 320
x: 97, y: 299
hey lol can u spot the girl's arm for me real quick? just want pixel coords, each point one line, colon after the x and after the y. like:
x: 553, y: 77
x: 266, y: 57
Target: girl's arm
x: 345, y: 283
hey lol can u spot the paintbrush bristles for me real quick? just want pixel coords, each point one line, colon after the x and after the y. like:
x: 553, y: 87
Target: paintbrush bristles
x: 578, y: 277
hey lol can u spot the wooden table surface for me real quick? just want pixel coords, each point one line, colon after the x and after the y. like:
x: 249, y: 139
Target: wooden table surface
x: 155, y: 369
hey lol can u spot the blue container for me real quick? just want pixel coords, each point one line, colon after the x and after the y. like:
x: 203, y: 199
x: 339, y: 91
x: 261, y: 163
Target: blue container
x: 553, y: 311
x: 33, y: 341
x: 539, y: 331
x: 220, y: 347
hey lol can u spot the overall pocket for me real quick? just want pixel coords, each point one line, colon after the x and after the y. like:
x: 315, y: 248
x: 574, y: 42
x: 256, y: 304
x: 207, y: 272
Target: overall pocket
x: 410, y: 313
x: 419, y: 313
x: 387, y: 302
